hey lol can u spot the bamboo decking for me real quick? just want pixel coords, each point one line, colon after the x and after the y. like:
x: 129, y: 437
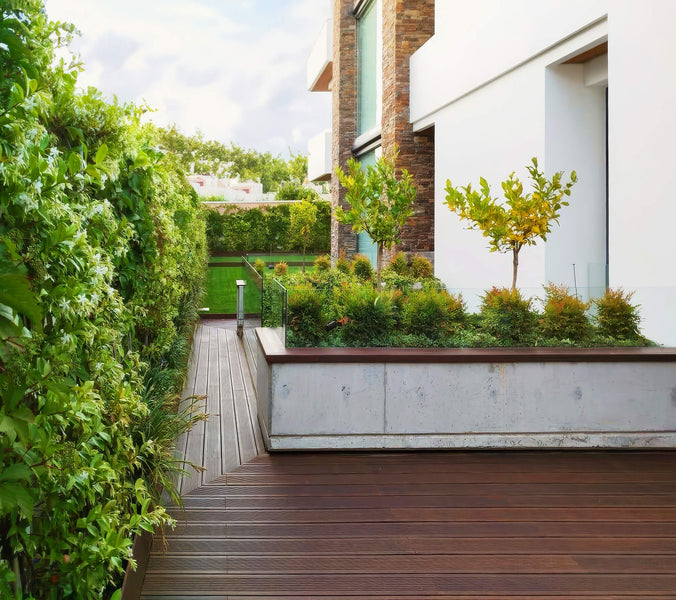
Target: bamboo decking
x: 416, y: 525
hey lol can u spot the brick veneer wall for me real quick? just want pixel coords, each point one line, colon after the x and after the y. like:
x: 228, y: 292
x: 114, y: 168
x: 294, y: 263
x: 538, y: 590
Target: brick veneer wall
x: 407, y: 25
x: 344, y: 114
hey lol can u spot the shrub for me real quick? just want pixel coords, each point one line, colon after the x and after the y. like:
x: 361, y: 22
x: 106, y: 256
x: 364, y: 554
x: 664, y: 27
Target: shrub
x: 362, y: 268
x: 432, y: 313
x: 281, y: 268
x: 616, y: 317
x: 564, y: 315
x: 421, y: 267
x: 307, y: 320
x: 323, y: 263
x: 398, y: 264
x: 342, y: 264
x: 260, y: 266
x: 368, y: 317
x: 508, y: 316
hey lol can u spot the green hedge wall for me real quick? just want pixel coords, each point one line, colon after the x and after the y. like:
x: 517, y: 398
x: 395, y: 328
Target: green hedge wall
x: 264, y: 230
x: 102, y: 259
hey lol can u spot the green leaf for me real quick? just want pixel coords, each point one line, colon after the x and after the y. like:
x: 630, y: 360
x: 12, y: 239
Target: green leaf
x: 101, y: 153
x: 16, y: 472
x: 15, y: 292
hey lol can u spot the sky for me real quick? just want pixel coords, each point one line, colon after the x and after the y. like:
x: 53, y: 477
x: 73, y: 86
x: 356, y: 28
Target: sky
x: 234, y: 69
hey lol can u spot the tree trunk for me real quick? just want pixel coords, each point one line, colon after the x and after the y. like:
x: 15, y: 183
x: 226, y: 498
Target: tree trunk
x: 515, y: 266
x: 303, y: 259
x: 379, y: 260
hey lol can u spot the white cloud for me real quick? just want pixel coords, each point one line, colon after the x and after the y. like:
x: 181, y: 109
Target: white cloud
x: 235, y: 70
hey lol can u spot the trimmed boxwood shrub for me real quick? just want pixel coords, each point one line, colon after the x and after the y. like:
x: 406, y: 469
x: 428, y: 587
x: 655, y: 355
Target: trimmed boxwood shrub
x: 616, y: 316
x: 362, y: 268
x: 506, y: 315
x: 432, y: 313
x: 564, y: 315
x: 307, y: 319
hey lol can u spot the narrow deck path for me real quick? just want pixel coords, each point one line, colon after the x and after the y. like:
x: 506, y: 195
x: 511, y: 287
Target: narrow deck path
x: 230, y: 436
x: 415, y: 525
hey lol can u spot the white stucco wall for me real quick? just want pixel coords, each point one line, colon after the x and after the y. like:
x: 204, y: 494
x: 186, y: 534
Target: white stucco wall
x: 492, y: 84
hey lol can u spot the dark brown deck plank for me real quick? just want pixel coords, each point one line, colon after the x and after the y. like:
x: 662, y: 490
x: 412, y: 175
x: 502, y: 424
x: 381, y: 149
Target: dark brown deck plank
x: 664, y: 476
x: 437, y: 515
x: 416, y: 597
x: 212, y: 427
x: 440, y: 529
x: 195, y: 444
x: 251, y: 403
x: 415, y: 501
x: 413, y: 564
x: 247, y: 444
x: 229, y: 451
x: 420, y: 545
x: 434, y: 489
x: 397, y: 585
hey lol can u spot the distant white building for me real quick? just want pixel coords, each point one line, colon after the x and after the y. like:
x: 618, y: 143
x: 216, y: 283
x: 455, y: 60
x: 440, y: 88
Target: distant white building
x: 231, y: 190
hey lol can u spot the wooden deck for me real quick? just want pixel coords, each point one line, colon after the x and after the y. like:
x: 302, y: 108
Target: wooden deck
x: 443, y: 525
x: 231, y: 435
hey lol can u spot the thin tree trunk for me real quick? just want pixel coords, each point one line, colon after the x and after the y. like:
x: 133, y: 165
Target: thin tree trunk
x: 515, y: 266
x: 379, y: 257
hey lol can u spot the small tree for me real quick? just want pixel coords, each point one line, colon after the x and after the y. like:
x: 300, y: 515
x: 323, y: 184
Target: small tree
x: 303, y: 219
x: 380, y: 203
x: 526, y: 217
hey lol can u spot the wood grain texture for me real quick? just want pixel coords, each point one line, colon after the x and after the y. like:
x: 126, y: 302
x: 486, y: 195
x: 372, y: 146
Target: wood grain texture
x: 495, y: 525
x: 575, y: 525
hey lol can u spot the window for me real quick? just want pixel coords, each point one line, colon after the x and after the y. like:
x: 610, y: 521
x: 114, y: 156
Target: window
x: 369, y: 67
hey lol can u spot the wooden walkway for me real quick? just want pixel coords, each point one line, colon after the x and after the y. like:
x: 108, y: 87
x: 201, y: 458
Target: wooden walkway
x: 231, y: 435
x: 415, y: 525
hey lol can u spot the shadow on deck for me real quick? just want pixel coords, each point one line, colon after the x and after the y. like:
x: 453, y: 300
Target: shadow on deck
x: 444, y: 525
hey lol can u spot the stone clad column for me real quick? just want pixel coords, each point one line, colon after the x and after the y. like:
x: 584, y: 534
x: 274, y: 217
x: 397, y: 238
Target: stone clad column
x: 344, y: 113
x: 407, y: 25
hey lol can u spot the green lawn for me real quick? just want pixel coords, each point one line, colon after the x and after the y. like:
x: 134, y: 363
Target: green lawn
x: 221, y: 296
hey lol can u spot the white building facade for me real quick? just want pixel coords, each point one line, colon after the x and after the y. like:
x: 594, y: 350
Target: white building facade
x: 585, y: 85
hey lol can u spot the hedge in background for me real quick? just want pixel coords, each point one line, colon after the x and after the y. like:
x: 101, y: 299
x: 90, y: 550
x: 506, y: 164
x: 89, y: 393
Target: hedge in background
x: 265, y: 230
x: 104, y: 249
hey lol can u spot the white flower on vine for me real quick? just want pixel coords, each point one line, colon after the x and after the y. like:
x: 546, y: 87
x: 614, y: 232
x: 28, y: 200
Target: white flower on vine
x: 101, y: 269
x: 98, y: 366
x: 54, y: 152
x: 38, y: 185
x: 64, y: 304
x: 82, y: 299
x: 30, y: 103
x: 66, y: 338
x: 95, y: 298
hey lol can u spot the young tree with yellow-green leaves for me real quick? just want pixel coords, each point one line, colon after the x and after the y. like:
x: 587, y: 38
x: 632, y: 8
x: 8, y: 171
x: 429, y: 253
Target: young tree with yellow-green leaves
x: 303, y: 219
x: 380, y: 202
x: 522, y: 220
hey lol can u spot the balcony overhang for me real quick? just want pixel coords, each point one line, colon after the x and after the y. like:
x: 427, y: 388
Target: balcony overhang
x: 320, y: 61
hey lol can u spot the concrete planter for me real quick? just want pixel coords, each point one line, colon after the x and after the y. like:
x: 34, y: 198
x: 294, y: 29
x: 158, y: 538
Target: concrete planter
x: 340, y: 398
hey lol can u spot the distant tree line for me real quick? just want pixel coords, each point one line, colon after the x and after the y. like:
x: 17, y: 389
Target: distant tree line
x: 195, y: 154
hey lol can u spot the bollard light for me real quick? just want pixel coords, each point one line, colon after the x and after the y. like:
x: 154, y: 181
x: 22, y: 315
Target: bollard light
x: 240, y: 306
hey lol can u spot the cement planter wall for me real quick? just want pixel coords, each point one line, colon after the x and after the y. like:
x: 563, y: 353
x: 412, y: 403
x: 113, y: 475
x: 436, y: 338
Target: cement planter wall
x: 342, y: 398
